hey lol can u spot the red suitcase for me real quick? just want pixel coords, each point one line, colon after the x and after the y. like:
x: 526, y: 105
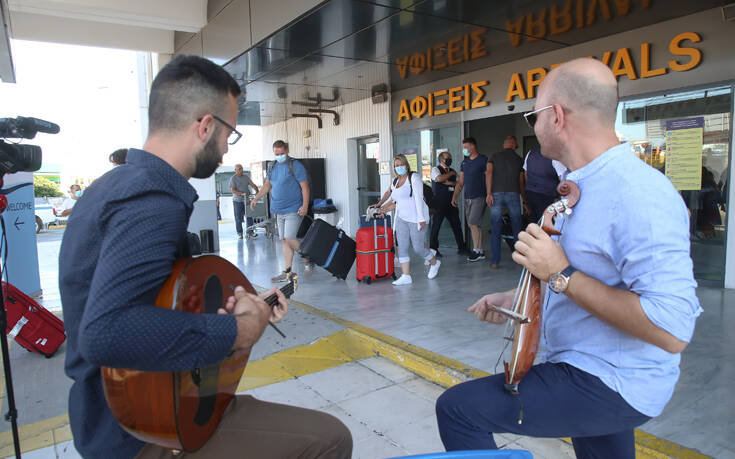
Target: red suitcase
x: 375, y: 252
x: 33, y: 326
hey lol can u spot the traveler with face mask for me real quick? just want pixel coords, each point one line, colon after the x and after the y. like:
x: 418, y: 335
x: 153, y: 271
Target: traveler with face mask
x: 443, y: 181
x: 474, y: 175
x: 75, y: 192
x: 412, y: 216
x: 289, y: 186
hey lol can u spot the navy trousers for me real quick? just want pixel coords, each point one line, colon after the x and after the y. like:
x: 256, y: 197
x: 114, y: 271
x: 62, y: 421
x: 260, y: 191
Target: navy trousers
x: 555, y: 400
x: 239, y: 207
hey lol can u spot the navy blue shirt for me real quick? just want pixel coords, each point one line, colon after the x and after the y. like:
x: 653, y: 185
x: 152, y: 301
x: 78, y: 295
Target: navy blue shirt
x: 119, y: 247
x: 474, y: 176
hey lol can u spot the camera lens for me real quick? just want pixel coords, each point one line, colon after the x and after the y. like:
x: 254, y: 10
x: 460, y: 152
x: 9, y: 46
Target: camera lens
x: 17, y: 158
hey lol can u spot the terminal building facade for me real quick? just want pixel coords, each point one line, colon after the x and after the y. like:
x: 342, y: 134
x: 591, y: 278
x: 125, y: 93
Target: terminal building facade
x: 355, y: 82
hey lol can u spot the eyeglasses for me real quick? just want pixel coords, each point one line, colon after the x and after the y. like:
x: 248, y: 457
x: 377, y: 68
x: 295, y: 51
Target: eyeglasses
x: 531, y: 117
x: 234, y: 134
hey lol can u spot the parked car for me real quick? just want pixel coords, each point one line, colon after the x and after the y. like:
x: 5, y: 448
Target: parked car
x: 48, y: 211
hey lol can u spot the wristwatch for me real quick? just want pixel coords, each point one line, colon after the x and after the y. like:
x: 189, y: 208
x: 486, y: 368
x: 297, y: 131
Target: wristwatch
x: 559, y: 282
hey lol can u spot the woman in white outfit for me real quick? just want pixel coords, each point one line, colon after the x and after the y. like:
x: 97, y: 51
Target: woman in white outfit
x: 412, y: 216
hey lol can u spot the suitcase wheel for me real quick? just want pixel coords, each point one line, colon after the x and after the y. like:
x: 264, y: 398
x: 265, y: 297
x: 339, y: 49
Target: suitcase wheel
x: 394, y: 276
x: 367, y: 280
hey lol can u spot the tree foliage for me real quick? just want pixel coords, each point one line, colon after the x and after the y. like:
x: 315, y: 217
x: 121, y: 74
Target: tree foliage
x: 43, y: 187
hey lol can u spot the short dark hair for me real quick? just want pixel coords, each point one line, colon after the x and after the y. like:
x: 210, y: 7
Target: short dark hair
x: 187, y: 88
x: 470, y: 140
x: 280, y: 144
x: 119, y: 156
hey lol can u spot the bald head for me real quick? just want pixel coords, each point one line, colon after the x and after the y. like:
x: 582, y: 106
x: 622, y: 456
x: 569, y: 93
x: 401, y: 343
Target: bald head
x: 586, y: 86
x: 510, y: 142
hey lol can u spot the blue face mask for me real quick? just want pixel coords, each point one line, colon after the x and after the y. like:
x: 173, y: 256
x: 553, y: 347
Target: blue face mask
x: 401, y: 170
x: 78, y: 193
x: 281, y: 158
x: 465, y: 152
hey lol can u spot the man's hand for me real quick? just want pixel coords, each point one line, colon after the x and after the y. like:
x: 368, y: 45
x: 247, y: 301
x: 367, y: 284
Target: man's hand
x: 537, y: 252
x: 454, y: 201
x: 482, y: 309
x: 243, y: 302
x: 252, y: 204
x: 302, y: 210
x: 489, y: 200
x: 526, y: 209
x: 422, y: 225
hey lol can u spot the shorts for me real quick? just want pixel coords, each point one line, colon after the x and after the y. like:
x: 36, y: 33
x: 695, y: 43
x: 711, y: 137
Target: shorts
x: 288, y: 225
x: 474, y: 209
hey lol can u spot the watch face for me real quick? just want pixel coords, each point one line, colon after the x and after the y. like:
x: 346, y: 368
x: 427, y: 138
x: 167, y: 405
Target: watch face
x: 558, y: 283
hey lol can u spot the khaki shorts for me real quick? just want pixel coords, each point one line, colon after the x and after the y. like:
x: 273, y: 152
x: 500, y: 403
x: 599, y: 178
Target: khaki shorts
x: 474, y: 209
x: 288, y: 225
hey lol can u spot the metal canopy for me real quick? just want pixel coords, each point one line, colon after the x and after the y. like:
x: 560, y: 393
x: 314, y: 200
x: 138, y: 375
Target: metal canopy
x: 344, y: 48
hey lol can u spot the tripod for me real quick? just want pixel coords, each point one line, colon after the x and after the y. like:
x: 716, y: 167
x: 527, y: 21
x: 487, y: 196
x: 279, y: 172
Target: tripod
x: 12, y: 414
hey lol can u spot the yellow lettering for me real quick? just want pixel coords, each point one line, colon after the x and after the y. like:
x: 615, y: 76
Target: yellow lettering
x: 553, y: 66
x: 428, y: 59
x: 606, y: 57
x: 623, y: 7
x: 438, y: 102
x: 623, y: 65
x: 453, y: 97
x: 676, y: 49
x: 417, y: 64
x: 403, y: 111
x: 536, y: 28
x: 466, y: 97
x: 560, y: 21
x: 646, y: 3
x: 514, y: 30
x: 580, y: 14
x: 453, y: 51
x: 439, y: 52
x: 515, y: 88
x: 418, y: 106
x: 402, y: 66
x: 646, y: 71
x: 478, y: 43
x: 534, y: 77
x: 592, y: 11
x: 430, y: 111
x: 478, y: 101
x: 466, y: 47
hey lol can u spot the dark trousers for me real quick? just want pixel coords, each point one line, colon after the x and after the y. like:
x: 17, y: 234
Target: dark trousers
x: 451, y: 213
x: 537, y: 203
x: 239, y: 215
x: 557, y: 400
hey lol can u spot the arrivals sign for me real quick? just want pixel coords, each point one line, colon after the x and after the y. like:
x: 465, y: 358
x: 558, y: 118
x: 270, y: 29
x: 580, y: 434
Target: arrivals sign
x: 443, y: 101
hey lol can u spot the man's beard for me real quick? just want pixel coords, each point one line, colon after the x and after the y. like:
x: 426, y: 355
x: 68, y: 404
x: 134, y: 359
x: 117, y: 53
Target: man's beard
x: 208, y: 159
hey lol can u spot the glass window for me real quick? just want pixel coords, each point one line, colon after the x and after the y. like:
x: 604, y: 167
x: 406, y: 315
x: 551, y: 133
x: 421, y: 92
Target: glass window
x: 686, y: 136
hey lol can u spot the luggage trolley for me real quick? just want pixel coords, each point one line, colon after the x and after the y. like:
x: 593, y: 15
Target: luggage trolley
x: 261, y: 217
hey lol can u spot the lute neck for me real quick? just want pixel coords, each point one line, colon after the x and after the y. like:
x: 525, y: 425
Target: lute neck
x: 287, y: 290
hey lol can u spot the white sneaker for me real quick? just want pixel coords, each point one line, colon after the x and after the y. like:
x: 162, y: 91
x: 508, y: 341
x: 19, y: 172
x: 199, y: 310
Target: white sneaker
x: 405, y: 279
x: 433, y: 255
x: 434, y: 269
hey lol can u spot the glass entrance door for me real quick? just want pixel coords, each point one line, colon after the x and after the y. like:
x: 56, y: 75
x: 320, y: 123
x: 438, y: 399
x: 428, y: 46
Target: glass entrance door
x: 368, y: 172
x: 686, y: 136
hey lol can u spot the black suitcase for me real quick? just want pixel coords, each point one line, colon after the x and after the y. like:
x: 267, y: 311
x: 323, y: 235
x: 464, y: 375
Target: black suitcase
x: 329, y: 247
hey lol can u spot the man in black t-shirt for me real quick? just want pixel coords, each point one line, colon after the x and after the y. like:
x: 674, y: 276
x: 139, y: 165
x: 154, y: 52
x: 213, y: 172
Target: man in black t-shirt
x: 507, y: 186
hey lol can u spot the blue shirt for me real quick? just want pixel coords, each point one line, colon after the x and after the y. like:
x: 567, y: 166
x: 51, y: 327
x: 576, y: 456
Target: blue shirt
x: 118, y: 249
x: 630, y: 230
x: 474, y: 176
x: 286, y: 195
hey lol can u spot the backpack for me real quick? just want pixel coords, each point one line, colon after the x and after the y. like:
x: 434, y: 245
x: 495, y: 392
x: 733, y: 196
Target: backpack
x: 428, y: 193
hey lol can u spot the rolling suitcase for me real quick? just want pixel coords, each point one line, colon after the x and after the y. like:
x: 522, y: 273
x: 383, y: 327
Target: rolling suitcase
x: 30, y: 324
x: 329, y: 248
x: 375, y: 251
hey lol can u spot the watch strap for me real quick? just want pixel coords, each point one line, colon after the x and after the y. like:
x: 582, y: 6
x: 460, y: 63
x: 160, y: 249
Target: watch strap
x: 568, y: 271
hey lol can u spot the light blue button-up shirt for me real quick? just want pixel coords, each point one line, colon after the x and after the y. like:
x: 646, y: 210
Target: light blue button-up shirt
x: 629, y: 230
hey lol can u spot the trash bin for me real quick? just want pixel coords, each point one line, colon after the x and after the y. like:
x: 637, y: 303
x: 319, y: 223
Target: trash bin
x: 325, y: 210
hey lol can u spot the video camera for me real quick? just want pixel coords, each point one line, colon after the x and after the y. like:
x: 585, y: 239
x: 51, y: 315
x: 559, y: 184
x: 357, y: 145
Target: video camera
x: 15, y: 157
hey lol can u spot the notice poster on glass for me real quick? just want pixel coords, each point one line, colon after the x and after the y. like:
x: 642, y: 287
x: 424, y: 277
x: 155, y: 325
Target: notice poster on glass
x: 413, y: 158
x: 684, y: 152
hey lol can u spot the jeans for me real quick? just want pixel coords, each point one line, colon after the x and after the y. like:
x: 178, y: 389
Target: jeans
x: 555, y: 400
x: 511, y: 201
x: 239, y: 207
